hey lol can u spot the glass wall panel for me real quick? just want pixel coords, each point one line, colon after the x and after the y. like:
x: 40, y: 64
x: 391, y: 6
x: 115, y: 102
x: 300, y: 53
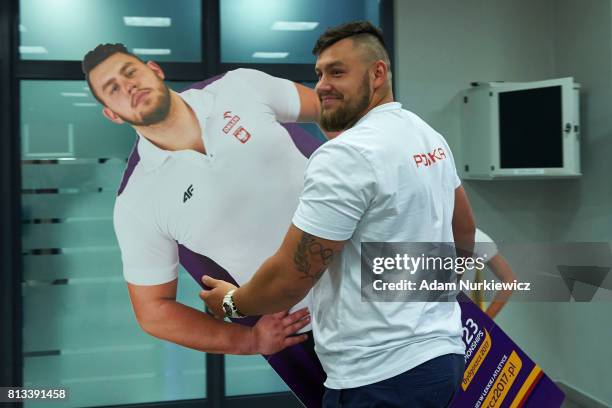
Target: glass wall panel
x: 246, y: 375
x: 79, y: 330
x: 154, y: 29
x: 283, y: 31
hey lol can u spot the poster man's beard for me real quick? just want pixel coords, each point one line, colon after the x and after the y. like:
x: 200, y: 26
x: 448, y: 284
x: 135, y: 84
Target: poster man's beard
x: 158, y: 113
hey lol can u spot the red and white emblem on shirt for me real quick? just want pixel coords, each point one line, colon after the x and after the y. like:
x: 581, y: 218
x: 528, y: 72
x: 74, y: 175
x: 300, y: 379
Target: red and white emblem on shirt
x: 241, y: 133
x: 429, y: 159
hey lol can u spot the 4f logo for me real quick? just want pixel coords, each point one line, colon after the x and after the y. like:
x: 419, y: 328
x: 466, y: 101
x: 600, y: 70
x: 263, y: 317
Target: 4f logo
x: 240, y: 133
x: 188, y: 194
x: 429, y: 159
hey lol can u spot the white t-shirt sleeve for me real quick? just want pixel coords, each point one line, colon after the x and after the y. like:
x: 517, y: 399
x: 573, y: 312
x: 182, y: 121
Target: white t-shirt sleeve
x: 149, y: 257
x: 279, y: 94
x: 484, y: 246
x: 339, y: 186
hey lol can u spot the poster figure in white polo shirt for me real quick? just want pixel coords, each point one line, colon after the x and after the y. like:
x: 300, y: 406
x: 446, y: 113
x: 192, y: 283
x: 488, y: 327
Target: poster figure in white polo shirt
x: 389, y: 177
x: 486, y: 248
x: 212, y: 182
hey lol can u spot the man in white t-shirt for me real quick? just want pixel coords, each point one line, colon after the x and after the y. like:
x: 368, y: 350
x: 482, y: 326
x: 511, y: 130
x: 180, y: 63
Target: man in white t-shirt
x: 211, y: 184
x: 388, y: 177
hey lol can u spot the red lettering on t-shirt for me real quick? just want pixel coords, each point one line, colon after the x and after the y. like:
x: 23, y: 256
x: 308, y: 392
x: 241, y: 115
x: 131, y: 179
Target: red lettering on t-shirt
x: 429, y: 158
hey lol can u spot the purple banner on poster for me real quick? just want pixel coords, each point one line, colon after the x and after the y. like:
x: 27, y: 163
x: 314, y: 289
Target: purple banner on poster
x: 498, y: 374
x: 297, y: 365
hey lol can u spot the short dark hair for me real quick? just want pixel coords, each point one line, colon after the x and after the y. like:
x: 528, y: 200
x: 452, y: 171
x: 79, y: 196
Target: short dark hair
x: 98, y: 55
x: 355, y: 28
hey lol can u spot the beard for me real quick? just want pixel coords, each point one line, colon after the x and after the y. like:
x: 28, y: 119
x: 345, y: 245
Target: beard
x: 347, y: 114
x: 158, y: 111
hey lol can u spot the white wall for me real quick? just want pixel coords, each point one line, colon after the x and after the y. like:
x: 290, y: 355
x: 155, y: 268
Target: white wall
x: 583, y: 48
x: 443, y: 45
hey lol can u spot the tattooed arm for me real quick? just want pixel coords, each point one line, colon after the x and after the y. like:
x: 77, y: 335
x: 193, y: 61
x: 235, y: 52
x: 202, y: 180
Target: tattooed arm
x: 283, y: 279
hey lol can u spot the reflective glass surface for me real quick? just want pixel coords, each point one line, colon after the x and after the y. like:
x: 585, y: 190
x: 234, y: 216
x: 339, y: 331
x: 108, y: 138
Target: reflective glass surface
x: 159, y: 30
x: 79, y: 329
x: 283, y: 31
x: 245, y: 375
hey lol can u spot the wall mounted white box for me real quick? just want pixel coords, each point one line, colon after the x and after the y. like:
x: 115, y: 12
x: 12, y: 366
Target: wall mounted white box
x: 520, y: 130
